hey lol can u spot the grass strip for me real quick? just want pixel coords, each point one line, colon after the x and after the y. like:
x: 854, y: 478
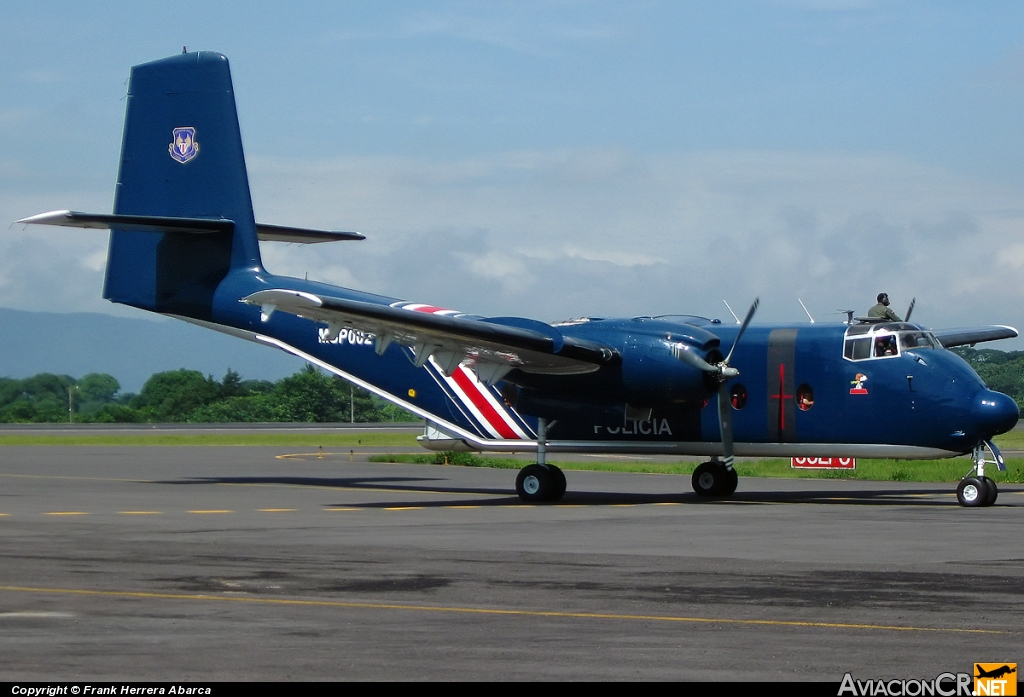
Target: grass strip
x: 951, y: 470
x: 293, y: 439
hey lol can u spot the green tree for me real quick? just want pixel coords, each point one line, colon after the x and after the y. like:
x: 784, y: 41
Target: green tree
x: 186, y: 395
x: 1002, y: 371
x: 115, y: 414
x: 10, y: 390
x: 97, y: 387
x: 173, y: 395
x: 310, y: 395
x: 231, y: 385
x: 250, y: 409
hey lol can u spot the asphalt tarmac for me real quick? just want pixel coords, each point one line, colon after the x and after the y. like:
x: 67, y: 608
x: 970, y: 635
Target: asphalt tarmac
x: 225, y: 563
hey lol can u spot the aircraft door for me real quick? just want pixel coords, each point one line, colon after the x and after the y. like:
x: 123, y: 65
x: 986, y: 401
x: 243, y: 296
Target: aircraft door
x: 781, y: 390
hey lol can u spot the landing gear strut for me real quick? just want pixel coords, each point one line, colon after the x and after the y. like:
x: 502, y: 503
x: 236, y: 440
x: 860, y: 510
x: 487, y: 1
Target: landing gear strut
x: 715, y: 478
x: 976, y: 489
x: 540, y: 482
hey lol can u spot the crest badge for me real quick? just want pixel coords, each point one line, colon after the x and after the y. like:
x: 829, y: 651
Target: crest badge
x: 184, y: 146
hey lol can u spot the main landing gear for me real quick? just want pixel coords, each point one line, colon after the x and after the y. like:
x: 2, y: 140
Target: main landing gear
x: 540, y: 482
x: 976, y: 489
x: 715, y: 478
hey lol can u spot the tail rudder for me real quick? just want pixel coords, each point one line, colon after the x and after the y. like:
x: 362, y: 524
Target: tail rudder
x: 181, y: 157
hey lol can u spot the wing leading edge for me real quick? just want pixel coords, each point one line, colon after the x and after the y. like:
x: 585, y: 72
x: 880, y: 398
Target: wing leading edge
x: 973, y: 335
x: 492, y: 347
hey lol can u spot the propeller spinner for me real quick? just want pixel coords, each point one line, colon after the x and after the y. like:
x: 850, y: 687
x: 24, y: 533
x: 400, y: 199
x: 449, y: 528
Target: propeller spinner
x: 722, y: 372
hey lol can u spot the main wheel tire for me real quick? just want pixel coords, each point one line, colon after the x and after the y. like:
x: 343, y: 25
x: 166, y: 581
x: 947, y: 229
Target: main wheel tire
x: 534, y: 484
x: 712, y: 479
x: 732, y: 480
x: 971, y: 492
x: 991, y: 490
x: 557, y: 483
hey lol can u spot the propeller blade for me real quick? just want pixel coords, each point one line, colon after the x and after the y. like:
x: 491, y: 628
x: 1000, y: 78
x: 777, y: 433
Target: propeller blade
x: 689, y: 355
x: 725, y: 423
x: 910, y: 309
x: 746, y: 321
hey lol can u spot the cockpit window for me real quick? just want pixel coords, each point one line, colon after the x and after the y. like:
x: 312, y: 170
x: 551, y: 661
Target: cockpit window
x: 885, y: 346
x: 858, y: 349
x: 916, y: 340
x: 864, y: 342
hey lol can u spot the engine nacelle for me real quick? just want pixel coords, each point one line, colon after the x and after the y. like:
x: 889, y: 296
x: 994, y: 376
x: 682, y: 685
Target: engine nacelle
x: 652, y: 376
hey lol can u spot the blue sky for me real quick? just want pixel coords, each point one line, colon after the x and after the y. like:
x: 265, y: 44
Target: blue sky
x: 554, y: 159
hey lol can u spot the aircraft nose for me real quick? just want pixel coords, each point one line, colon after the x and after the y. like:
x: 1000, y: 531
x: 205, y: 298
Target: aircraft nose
x: 997, y: 413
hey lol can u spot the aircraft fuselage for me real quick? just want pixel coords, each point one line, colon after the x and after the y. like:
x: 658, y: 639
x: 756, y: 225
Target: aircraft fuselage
x: 802, y: 388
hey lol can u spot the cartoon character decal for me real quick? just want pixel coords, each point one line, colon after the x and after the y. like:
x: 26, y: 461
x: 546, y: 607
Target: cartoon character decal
x: 858, y: 384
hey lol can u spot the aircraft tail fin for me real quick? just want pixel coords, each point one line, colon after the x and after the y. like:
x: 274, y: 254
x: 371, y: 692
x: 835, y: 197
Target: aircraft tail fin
x: 181, y: 158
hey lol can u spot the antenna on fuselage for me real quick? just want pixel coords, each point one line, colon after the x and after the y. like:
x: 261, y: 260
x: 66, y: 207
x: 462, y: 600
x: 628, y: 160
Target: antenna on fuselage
x: 732, y: 313
x: 805, y: 310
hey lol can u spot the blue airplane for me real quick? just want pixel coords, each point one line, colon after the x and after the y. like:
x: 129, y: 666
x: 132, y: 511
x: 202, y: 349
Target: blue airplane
x: 184, y: 243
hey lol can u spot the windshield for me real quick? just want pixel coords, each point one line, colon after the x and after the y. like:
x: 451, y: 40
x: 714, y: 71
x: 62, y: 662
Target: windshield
x: 868, y: 342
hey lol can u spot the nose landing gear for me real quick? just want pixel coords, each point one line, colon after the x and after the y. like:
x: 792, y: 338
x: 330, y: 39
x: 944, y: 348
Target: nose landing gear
x: 976, y: 490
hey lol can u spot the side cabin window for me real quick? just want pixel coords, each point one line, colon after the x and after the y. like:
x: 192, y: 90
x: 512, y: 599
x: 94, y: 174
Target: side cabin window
x: 871, y: 341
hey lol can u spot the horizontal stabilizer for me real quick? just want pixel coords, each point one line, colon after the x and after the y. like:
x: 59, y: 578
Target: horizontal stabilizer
x: 973, y: 335
x: 450, y: 339
x: 156, y: 223
x: 298, y: 235
x: 148, y: 223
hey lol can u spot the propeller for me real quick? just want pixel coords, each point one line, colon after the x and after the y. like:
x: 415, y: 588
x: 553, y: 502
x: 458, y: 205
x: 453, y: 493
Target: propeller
x: 722, y: 372
x: 910, y: 309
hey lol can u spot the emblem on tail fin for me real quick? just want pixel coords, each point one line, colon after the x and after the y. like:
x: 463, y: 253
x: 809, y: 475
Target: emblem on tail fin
x: 184, y: 146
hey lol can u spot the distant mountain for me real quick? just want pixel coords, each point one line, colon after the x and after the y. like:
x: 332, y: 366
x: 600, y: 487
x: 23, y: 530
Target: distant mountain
x: 129, y: 349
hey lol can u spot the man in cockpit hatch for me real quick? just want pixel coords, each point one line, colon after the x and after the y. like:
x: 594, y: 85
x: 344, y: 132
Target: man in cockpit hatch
x: 882, y: 309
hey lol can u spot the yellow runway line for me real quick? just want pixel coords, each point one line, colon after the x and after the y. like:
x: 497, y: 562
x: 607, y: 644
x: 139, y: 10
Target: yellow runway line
x: 65, y: 513
x: 495, y: 611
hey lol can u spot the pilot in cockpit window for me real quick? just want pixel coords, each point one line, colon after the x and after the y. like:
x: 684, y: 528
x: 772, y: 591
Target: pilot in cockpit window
x: 885, y: 346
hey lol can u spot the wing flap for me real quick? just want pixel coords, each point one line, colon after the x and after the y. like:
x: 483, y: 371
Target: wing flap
x: 491, y: 348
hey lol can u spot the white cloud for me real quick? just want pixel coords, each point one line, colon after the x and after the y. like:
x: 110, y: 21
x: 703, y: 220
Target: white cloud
x: 564, y: 233
x: 553, y: 234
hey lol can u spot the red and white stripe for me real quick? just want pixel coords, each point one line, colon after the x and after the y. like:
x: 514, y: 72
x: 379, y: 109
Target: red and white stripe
x: 480, y: 401
x: 476, y: 397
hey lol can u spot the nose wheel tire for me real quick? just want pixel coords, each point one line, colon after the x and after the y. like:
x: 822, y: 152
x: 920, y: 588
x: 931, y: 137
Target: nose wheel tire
x: 714, y: 479
x: 991, y: 490
x: 536, y: 483
x: 976, y: 492
x: 972, y: 492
